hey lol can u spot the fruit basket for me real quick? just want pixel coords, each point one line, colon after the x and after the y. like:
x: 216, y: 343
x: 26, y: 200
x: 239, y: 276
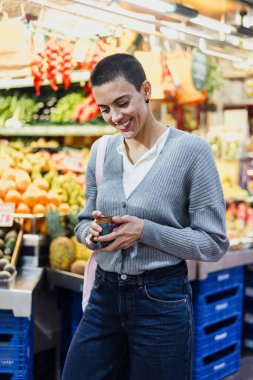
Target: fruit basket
x: 10, y: 244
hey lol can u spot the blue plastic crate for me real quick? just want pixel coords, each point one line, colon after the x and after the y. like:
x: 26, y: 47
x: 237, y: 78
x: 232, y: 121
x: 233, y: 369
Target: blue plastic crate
x: 219, y: 281
x: 217, y: 333
x: 219, y: 364
x: 219, y: 304
x: 10, y: 324
x: 18, y: 375
x: 15, y: 352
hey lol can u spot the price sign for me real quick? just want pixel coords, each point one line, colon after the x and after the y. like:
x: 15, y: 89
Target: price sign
x: 74, y: 161
x: 6, y: 214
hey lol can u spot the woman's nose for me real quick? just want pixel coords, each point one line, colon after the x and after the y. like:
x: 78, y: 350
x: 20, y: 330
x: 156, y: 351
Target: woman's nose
x: 116, y: 117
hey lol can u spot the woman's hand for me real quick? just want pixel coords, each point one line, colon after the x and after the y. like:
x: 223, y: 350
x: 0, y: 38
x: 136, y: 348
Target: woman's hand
x: 95, y: 229
x: 129, y: 230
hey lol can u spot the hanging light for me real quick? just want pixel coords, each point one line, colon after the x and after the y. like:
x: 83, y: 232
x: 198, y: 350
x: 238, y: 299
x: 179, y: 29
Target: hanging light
x: 162, y: 7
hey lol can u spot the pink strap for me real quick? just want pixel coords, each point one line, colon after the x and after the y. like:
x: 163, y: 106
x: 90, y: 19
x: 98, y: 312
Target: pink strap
x: 102, y: 144
x: 91, y: 266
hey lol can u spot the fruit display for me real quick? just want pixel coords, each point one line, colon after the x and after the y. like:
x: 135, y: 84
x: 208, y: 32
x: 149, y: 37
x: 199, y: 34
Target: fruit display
x: 65, y: 253
x: 65, y: 107
x: 239, y: 219
x: 36, y: 182
x: 233, y: 192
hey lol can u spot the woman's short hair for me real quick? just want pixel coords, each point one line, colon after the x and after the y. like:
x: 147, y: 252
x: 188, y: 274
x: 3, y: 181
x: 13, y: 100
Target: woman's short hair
x: 118, y: 65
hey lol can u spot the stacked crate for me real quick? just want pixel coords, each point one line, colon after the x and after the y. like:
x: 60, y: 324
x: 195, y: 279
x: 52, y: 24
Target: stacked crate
x: 248, y: 309
x: 16, y: 346
x: 217, y: 304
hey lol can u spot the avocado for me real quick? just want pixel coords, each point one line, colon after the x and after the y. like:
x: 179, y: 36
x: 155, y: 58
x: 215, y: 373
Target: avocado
x: 10, y: 234
x: 3, y: 262
x: 10, y: 243
x: 9, y: 268
x: 7, y: 251
x: 4, y: 275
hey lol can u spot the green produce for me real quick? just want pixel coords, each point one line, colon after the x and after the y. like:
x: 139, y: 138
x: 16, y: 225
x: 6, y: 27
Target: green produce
x: 65, y: 108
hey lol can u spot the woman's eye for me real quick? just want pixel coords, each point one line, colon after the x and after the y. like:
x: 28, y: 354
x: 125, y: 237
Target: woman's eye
x: 105, y: 110
x: 123, y: 104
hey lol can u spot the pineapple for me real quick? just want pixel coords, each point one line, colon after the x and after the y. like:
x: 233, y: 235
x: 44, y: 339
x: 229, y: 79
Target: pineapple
x: 80, y: 251
x: 61, y: 249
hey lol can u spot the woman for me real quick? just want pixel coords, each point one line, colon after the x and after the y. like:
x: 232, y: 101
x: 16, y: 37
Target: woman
x: 162, y: 187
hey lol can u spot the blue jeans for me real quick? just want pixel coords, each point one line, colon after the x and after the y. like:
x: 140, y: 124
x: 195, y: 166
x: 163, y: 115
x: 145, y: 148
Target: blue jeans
x: 135, y: 327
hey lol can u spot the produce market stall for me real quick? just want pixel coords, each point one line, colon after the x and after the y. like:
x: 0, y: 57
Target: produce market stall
x: 48, y: 122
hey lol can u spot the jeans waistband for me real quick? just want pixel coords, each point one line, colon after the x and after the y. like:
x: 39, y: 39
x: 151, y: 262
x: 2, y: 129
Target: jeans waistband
x: 147, y: 276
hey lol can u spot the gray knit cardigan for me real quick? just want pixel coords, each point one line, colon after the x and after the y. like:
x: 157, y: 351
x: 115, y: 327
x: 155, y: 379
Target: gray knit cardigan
x: 180, y: 200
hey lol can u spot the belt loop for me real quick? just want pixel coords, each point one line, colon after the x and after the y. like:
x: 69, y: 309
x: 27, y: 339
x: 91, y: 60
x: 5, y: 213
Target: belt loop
x: 140, y: 281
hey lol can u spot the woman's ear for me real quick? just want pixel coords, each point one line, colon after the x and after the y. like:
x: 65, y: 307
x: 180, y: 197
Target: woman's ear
x: 146, y: 86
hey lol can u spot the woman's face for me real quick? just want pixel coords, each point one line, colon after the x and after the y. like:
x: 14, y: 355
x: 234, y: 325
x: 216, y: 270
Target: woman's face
x: 122, y: 106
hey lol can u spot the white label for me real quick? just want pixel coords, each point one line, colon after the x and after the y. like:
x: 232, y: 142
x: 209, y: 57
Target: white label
x: 73, y: 160
x: 223, y: 277
x: 221, y: 306
x: 248, y: 318
x: 248, y: 343
x: 219, y: 366
x: 6, y: 214
x: 221, y: 336
x: 248, y: 291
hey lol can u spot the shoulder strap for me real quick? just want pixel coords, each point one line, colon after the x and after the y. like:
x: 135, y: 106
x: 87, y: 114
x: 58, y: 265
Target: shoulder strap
x: 101, y: 157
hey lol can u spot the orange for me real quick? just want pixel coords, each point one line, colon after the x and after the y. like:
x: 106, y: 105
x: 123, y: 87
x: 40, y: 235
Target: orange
x: 13, y: 196
x: 64, y: 208
x: 27, y: 226
x: 8, y: 185
x: 38, y: 209
x: 53, y: 197
x: 22, y: 208
x: 29, y: 198
x: 41, y: 196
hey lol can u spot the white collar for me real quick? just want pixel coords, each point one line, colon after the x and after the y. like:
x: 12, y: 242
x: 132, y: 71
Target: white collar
x: 153, y: 151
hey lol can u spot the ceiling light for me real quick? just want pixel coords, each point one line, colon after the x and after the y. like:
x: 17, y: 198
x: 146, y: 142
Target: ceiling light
x: 163, y: 7
x: 213, y: 24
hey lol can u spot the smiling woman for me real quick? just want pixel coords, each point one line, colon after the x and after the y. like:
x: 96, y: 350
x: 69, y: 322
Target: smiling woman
x: 162, y: 189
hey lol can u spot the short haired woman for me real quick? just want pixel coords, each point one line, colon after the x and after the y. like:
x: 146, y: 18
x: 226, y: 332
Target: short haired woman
x: 162, y: 187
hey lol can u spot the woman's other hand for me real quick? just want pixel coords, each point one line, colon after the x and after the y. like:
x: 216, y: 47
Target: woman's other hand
x: 129, y: 230
x: 95, y: 229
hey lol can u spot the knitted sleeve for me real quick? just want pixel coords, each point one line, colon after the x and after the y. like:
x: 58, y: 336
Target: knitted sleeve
x: 204, y: 239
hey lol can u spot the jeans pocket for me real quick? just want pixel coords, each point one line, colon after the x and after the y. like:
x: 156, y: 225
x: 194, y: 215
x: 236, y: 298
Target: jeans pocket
x: 168, y: 292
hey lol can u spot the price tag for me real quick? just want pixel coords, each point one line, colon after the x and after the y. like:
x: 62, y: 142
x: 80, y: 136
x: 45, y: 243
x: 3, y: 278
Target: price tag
x: 6, y: 214
x: 74, y: 161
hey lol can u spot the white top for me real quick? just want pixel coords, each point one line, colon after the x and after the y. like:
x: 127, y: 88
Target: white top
x: 133, y: 174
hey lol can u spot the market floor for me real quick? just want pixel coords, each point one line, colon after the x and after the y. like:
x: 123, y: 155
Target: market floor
x: 246, y: 371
